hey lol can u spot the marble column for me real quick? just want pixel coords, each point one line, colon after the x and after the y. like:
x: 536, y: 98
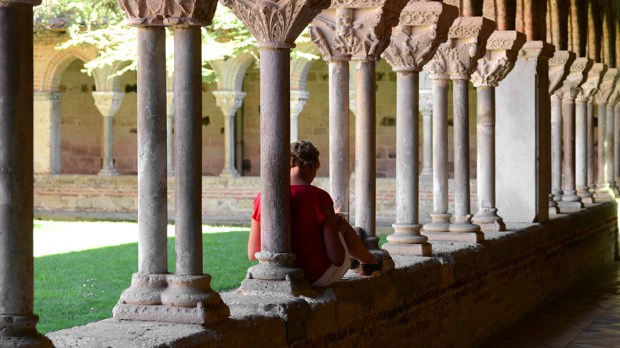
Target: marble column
x: 275, y: 272
x: 17, y: 320
x: 229, y: 102
x: 522, y: 137
x: 407, y: 63
x: 602, y: 191
x: 47, y: 126
x: 426, y: 110
x: 298, y: 101
x: 108, y: 103
x: 502, y: 49
x: 339, y: 167
x: 571, y: 88
x: 458, y: 59
x: 617, y: 143
x: 170, y: 134
x: 585, y: 132
x: 610, y: 143
x: 559, y: 66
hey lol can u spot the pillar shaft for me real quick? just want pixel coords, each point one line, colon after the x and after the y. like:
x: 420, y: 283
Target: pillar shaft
x: 616, y: 144
x: 17, y: 321
x: 229, y: 144
x: 556, y: 147
x: 591, y: 178
x: 601, y: 179
x: 55, y: 126
x: 152, y: 187
x: 275, y: 150
x: 169, y: 135
x: 365, y: 152
x: 188, y: 130
x: 609, y: 148
x: 569, y: 194
x: 427, y: 122
x: 581, y: 148
x: 108, y: 142
x: 339, y: 170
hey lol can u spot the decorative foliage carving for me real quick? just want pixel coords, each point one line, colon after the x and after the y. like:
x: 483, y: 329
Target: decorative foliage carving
x: 607, y: 86
x: 595, y: 76
x: 502, y: 49
x: 279, y: 23
x: 355, y: 29
x: 229, y: 101
x: 413, y: 42
x: 108, y: 102
x: 458, y: 57
x: 558, y: 68
x: 578, y: 72
x: 168, y: 12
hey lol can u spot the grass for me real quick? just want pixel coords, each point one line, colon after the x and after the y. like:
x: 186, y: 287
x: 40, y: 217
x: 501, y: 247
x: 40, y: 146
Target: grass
x: 80, y: 287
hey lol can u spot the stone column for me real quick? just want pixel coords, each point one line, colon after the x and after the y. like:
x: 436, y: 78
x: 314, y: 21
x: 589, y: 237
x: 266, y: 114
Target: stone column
x: 590, y: 152
x: 426, y: 109
x: 17, y: 320
x: 609, y: 141
x: 275, y: 272
x: 360, y: 32
x: 170, y: 134
x: 601, y: 98
x: 501, y: 53
x: 617, y: 143
x: 522, y: 137
x: 585, y: 133
x: 571, y: 87
x: 407, y: 63
x: 458, y: 59
x: 559, y: 66
x: 154, y: 295
x: 47, y: 133
x: 108, y: 103
x: 229, y: 102
x: 298, y: 101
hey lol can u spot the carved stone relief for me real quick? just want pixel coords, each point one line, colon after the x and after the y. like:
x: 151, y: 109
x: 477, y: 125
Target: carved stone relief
x: 168, y: 12
x: 606, y: 87
x: 499, y: 59
x: 595, y: 76
x: 577, y: 75
x: 355, y: 29
x: 422, y: 28
x: 559, y: 68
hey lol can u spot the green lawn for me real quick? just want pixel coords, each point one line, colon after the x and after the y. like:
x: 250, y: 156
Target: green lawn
x: 80, y: 287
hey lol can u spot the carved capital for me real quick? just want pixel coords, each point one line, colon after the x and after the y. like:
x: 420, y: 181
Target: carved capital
x: 559, y: 66
x: 108, y: 102
x: 276, y: 23
x: 298, y: 101
x: 458, y: 58
x: 536, y: 50
x: 501, y: 54
x: 229, y: 101
x: 355, y: 29
x: 168, y: 12
x: 577, y: 75
x: 606, y: 87
x: 422, y: 27
x: 595, y: 76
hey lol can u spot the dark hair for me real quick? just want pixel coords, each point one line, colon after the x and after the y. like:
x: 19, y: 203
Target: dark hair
x: 304, y: 153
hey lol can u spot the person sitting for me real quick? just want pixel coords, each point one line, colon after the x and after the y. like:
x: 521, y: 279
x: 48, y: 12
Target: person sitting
x: 322, y: 240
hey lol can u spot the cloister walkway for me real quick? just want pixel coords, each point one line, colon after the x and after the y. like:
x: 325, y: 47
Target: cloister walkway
x: 585, y: 316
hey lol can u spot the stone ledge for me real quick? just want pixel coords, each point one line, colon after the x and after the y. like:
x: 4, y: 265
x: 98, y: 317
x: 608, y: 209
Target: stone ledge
x: 461, y: 296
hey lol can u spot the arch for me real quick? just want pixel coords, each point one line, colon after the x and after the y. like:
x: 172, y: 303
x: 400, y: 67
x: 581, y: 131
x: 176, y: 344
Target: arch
x: 50, y: 80
x: 231, y: 71
x: 300, y: 67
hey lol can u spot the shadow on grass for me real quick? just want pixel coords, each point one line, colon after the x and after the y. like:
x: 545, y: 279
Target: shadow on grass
x: 81, y: 287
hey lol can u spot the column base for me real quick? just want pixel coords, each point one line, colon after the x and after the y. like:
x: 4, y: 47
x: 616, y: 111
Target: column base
x: 463, y: 224
x: 613, y: 188
x: 553, y: 205
x: 585, y: 194
x: 407, y: 240
x: 569, y: 207
x: 229, y: 173
x: 570, y: 196
x: 488, y: 220
x: 108, y: 172
x: 462, y: 237
x: 20, y: 331
x: 602, y: 193
x: 440, y: 223
x: 275, y: 275
x: 557, y: 195
x: 171, y: 298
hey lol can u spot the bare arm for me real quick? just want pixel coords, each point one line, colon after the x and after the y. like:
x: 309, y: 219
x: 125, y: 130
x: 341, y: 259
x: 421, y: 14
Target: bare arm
x: 254, y: 240
x: 333, y: 246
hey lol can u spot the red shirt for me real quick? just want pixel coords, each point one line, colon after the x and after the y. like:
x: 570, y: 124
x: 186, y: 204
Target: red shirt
x: 308, y: 205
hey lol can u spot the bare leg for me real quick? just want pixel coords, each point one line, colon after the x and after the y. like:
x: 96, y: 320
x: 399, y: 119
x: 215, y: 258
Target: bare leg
x: 356, y: 247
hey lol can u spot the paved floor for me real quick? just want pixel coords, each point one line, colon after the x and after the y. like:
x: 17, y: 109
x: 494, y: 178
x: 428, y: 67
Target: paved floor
x: 588, y: 315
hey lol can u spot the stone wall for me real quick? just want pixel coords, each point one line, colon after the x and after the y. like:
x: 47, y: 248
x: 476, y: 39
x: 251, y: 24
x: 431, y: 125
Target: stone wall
x: 457, y: 298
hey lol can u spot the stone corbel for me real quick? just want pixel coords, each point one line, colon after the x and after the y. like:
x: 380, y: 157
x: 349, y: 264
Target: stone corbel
x: 501, y: 54
x: 423, y: 26
x: 108, y: 102
x: 559, y: 68
x: 458, y: 58
x: 357, y: 30
x: 298, y: 101
x: 168, y: 12
x: 577, y: 76
x: 592, y: 83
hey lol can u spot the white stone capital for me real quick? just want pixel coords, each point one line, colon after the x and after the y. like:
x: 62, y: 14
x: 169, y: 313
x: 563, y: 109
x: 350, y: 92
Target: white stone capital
x: 458, y: 57
x: 593, y: 81
x: 168, y: 12
x: 536, y: 50
x: 108, y: 102
x: 576, y: 77
x: 229, y: 101
x: 501, y: 53
x: 606, y: 87
x: 354, y: 29
x: 298, y: 101
x: 559, y: 66
x: 423, y: 26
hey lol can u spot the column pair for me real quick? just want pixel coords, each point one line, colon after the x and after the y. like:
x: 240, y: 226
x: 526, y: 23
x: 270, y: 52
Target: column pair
x: 155, y: 295
x: 455, y: 60
x: 603, y: 191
